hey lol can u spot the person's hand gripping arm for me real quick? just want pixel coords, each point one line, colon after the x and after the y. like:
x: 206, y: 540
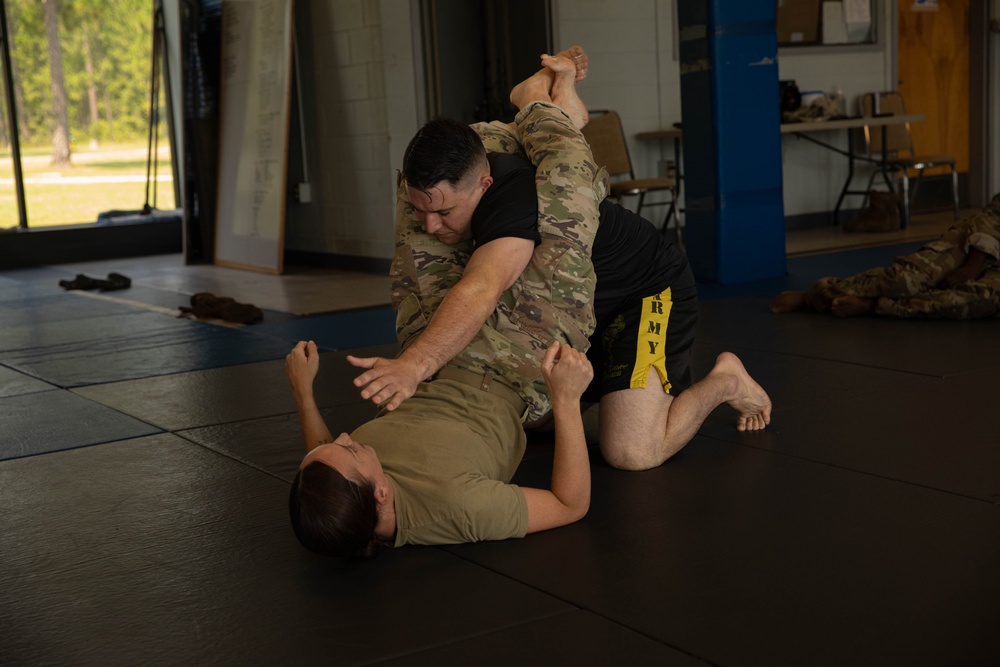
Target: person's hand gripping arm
x: 567, y: 372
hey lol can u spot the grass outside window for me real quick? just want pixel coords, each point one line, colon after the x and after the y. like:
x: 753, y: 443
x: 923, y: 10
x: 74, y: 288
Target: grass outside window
x: 101, y: 179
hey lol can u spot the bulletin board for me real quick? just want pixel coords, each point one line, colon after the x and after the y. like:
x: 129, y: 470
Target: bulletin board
x: 826, y: 22
x: 255, y: 98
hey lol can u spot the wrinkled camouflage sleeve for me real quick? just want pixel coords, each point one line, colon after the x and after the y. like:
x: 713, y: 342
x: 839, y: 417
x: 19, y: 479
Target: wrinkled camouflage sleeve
x: 423, y: 269
x: 984, y: 230
x: 553, y: 297
x: 552, y: 300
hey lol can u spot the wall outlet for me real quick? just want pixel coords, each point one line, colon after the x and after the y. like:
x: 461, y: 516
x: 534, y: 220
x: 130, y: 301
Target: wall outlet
x: 302, y: 193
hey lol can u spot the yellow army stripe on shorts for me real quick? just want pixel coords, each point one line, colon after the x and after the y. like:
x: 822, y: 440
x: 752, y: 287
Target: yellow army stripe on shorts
x: 651, y: 338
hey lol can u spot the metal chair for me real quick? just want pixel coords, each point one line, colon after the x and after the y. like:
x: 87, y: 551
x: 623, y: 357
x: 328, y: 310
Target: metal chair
x: 898, y: 155
x: 606, y: 137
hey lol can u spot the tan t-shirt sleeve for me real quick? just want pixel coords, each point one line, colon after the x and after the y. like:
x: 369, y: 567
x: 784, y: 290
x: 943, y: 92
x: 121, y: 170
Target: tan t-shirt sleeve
x: 484, y: 509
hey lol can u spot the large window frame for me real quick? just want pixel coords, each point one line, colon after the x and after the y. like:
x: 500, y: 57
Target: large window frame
x: 8, y: 105
x: 163, y: 104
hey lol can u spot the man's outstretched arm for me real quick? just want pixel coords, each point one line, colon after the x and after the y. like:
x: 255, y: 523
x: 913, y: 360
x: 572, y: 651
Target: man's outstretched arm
x: 970, y: 269
x: 491, y: 270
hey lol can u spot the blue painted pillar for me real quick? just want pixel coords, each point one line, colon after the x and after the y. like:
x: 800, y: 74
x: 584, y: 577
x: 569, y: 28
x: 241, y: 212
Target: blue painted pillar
x: 735, y: 220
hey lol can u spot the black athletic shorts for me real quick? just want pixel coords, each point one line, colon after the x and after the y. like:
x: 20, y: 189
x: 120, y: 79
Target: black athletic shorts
x: 654, y: 332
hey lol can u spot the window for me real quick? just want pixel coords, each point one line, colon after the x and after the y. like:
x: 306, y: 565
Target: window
x: 80, y: 76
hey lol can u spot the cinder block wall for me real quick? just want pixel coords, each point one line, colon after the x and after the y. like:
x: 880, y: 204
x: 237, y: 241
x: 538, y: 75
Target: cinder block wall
x: 347, y: 135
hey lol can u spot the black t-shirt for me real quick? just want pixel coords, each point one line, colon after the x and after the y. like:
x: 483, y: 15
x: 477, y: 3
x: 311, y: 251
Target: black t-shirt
x: 631, y: 258
x: 509, y: 207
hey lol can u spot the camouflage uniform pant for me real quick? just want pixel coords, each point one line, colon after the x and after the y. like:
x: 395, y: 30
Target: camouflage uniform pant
x: 552, y: 299
x: 906, y: 289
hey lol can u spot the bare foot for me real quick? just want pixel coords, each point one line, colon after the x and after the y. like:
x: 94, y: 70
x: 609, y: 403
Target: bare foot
x: 579, y: 58
x: 751, y: 402
x: 851, y: 306
x: 788, y: 302
x: 536, y: 88
x: 564, y: 89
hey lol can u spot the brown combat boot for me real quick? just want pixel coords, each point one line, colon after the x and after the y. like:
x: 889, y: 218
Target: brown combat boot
x: 882, y: 214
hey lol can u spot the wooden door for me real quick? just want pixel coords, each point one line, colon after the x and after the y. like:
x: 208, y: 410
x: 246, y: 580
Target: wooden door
x: 933, y: 56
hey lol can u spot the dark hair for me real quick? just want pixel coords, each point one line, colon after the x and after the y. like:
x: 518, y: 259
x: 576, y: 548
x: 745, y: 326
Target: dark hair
x: 332, y: 515
x: 442, y: 150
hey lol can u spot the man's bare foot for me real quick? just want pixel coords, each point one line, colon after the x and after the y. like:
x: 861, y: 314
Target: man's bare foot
x: 851, y: 306
x: 751, y: 402
x: 788, y: 302
x: 564, y: 89
x: 579, y: 58
x: 536, y: 88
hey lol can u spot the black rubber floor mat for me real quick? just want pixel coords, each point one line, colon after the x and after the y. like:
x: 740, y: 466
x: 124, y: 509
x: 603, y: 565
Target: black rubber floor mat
x: 51, y: 421
x: 274, y: 444
x: 157, y: 550
x: 221, y: 395
x: 938, y: 433
x: 713, y: 551
x: 13, y: 383
x: 175, y: 346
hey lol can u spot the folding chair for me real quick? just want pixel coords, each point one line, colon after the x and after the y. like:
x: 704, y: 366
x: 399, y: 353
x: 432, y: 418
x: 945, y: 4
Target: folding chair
x: 898, y: 153
x: 606, y: 137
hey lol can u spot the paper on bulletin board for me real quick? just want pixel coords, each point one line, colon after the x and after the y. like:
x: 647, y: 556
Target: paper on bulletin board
x: 834, y: 26
x: 858, y: 20
x: 858, y: 11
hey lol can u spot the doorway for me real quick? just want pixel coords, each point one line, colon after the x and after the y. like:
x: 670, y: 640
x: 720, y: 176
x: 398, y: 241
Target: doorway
x: 475, y: 51
x: 941, y: 65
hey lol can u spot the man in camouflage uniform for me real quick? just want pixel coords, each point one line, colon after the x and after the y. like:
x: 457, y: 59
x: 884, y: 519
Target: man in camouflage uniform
x: 954, y: 277
x: 551, y: 299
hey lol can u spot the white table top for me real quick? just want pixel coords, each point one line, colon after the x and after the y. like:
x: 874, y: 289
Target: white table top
x: 811, y: 126
x: 850, y: 123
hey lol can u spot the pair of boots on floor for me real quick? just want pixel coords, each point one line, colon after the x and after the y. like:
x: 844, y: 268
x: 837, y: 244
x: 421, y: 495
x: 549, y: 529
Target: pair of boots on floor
x: 882, y: 214
x: 114, y: 281
x: 205, y: 305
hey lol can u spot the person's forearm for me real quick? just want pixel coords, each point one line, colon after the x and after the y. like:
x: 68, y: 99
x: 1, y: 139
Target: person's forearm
x: 461, y: 314
x: 975, y: 261
x: 971, y: 268
x: 314, y: 429
x: 985, y: 242
x: 571, y: 460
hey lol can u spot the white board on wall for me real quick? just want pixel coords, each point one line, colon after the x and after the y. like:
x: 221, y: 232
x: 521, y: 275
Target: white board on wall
x: 253, y: 133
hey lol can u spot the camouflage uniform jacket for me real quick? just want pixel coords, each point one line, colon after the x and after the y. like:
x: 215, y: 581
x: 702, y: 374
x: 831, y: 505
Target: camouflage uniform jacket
x: 553, y: 297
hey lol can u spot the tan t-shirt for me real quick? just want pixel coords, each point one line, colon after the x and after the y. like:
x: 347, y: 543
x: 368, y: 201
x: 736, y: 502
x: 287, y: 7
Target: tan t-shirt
x: 450, y: 452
